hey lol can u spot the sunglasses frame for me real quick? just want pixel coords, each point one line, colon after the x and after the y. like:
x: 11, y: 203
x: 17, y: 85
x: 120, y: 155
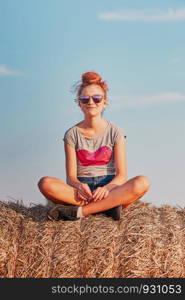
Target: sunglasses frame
x: 93, y: 97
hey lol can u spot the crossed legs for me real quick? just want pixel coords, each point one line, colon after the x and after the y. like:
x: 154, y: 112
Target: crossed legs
x: 60, y: 192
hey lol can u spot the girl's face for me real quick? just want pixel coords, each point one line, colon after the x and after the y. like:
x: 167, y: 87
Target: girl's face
x: 92, y: 108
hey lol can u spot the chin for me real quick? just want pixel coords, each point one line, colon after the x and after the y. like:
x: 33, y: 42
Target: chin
x: 94, y: 114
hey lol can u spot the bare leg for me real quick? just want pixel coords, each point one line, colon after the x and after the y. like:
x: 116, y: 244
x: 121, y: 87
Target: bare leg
x: 58, y: 191
x: 127, y: 205
x: 125, y: 195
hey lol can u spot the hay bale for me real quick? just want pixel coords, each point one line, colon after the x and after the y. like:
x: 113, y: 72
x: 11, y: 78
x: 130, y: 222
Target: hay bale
x: 65, y: 255
x: 33, y: 259
x: 148, y: 242
x: 9, y: 240
x: 97, y: 247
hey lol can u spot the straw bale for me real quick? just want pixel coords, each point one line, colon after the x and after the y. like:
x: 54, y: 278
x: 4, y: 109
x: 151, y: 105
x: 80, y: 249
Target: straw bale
x: 97, y: 247
x: 9, y: 240
x: 171, y: 254
x: 33, y: 259
x: 148, y: 242
x: 65, y: 251
x: 135, y: 242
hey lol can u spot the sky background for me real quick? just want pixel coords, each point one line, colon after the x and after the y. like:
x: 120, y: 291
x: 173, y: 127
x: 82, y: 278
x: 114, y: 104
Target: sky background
x: 138, y: 47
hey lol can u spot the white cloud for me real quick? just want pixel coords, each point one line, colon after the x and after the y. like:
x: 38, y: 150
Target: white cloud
x: 145, y: 100
x: 5, y: 71
x: 145, y: 16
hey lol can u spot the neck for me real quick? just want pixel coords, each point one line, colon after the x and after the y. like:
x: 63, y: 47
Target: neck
x: 93, y: 122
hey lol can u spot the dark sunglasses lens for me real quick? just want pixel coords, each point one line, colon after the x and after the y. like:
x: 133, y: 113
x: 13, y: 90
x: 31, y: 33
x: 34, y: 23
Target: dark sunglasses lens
x: 97, y: 98
x: 84, y: 99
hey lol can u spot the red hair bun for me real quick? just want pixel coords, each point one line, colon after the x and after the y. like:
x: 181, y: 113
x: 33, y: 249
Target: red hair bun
x: 90, y: 78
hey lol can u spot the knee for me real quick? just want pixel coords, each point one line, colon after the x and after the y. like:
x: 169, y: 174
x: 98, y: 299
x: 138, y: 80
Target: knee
x: 141, y: 184
x: 44, y: 183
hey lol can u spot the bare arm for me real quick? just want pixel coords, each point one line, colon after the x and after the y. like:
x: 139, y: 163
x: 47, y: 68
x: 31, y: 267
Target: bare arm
x: 84, y: 191
x: 71, y: 166
x: 120, y: 165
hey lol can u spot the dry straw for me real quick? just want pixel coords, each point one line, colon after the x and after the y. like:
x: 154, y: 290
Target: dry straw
x: 148, y: 242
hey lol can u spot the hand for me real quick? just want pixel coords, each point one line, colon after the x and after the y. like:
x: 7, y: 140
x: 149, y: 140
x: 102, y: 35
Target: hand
x: 84, y: 193
x: 100, y: 193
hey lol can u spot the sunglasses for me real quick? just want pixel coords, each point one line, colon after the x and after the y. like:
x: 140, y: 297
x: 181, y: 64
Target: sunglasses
x: 96, y: 98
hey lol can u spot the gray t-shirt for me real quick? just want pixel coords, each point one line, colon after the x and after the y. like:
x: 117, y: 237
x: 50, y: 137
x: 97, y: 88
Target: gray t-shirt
x: 95, y: 155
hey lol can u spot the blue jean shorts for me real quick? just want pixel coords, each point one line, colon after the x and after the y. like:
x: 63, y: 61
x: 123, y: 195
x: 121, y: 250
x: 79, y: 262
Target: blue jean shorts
x: 94, y: 182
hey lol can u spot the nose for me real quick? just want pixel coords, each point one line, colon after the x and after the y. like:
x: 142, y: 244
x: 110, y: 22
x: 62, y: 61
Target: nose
x: 91, y: 99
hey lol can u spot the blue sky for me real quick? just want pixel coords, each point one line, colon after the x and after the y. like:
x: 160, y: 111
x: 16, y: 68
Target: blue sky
x: 139, y: 49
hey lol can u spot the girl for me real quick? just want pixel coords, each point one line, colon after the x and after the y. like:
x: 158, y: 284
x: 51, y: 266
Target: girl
x: 96, y: 173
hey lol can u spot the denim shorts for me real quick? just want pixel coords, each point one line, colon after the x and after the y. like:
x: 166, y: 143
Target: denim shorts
x: 94, y: 182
